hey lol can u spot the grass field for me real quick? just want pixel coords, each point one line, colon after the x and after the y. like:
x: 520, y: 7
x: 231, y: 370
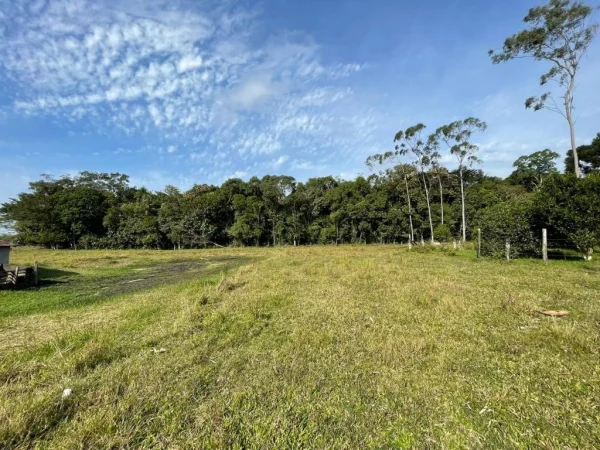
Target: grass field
x: 309, y: 347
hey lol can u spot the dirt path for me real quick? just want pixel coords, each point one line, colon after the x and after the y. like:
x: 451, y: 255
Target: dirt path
x: 141, y: 278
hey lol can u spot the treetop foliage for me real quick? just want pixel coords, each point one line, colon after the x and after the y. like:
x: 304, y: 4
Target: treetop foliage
x: 530, y: 170
x: 558, y: 33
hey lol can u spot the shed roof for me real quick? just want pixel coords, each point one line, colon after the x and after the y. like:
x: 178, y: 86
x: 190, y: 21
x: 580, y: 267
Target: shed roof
x: 5, y: 244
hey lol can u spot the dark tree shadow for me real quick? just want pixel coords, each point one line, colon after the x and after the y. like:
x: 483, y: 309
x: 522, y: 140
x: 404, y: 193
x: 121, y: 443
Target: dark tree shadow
x: 51, y: 277
x: 56, y: 274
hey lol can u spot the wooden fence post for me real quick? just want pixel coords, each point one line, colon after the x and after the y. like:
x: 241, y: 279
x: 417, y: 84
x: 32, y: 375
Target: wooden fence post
x: 507, y: 251
x: 479, y: 242
x: 545, y: 245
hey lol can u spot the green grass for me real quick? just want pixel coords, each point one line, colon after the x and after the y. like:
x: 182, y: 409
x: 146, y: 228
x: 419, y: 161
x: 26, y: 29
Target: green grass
x: 313, y: 347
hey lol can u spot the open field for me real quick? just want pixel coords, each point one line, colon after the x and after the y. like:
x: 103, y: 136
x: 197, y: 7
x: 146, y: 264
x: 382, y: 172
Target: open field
x: 309, y: 347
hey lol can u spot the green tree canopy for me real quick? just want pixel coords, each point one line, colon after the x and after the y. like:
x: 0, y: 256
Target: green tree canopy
x: 531, y: 170
x: 589, y: 157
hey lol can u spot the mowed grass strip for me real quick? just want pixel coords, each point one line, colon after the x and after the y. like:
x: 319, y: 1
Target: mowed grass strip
x: 318, y: 347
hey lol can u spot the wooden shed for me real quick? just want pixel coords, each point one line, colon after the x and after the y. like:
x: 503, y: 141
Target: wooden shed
x: 5, y: 252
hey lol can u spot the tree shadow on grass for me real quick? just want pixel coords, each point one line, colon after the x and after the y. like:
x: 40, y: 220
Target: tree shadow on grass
x: 51, y: 277
x: 46, y: 277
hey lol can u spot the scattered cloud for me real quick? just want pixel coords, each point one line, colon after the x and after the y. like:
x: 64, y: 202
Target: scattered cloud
x: 188, y: 92
x: 280, y: 161
x: 243, y: 174
x: 189, y: 73
x: 306, y: 165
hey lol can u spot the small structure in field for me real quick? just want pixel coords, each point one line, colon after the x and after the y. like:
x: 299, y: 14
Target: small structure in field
x: 5, y: 252
x: 13, y: 277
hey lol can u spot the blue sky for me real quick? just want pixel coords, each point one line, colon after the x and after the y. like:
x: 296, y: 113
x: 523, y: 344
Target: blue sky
x: 178, y: 92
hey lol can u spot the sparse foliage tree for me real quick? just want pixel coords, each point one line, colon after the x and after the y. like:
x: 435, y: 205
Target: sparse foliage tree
x: 440, y: 173
x: 457, y: 136
x: 559, y: 33
x: 424, y: 153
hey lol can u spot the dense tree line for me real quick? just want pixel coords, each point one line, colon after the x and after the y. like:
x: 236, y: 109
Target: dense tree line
x: 96, y: 210
x: 419, y: 201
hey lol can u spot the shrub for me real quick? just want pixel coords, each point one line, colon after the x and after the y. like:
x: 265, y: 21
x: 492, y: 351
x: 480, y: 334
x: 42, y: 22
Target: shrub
x: 570, y: 206
x: 585, y: 241
x: 508, y: 221
x: 442, y: 233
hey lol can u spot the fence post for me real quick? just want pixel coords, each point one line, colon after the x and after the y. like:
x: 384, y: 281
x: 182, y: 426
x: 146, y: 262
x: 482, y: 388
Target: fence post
x: 507, y: 251
x: 545, y: 245
x: 479, y: 242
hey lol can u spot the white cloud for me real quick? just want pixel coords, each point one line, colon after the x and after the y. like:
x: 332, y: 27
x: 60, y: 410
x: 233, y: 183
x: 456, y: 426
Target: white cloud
x: 189, y: 62
x: 306, y: 165
x: 351, y: 175
x: 252, y: 91
x: 193, y: 75
x: 279, y: 162
x: 243, y: 174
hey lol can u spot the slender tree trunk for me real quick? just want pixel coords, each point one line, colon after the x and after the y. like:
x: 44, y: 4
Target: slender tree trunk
x: 428, y: 206
x: 412, y: 231
x: 441, y: 198
x: 462, y: 201
x: 569, y: 116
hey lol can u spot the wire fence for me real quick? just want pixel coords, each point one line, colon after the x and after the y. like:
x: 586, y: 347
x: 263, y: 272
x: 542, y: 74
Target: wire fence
x: 558, y: 249
x: 563, y: 249
x: 545, y: 249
